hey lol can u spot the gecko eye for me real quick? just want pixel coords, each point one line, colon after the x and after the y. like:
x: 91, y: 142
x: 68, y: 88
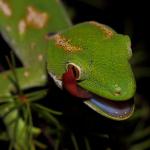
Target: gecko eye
x: 76, y: 70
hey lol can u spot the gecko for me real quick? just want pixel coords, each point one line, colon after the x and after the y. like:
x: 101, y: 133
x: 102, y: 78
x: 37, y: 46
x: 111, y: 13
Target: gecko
x: 89, y: 59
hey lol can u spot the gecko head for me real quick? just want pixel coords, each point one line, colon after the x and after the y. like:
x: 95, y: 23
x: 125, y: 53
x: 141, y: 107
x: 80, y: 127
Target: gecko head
x: 107, y: 92
x: 99, y: 70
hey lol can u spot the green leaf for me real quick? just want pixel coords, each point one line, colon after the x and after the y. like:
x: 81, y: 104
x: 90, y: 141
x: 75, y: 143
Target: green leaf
x: 4, y: 136
x: 40, y: 107
x: 74, y: 141
x: 46, y: 114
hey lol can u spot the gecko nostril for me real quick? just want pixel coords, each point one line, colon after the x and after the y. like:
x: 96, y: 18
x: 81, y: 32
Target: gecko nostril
x: 117, y: 91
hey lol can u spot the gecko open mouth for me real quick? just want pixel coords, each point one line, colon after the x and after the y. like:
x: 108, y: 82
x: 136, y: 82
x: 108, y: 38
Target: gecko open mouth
x: 111, y: 109
x: 116, y: 110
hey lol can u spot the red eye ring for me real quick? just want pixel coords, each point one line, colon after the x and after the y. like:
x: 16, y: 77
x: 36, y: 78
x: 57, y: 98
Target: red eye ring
x: 76, y: 70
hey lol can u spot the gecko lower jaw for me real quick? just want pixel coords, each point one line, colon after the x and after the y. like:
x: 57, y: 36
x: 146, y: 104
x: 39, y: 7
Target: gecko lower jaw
x: 116, y: 110
x: 111, y: 109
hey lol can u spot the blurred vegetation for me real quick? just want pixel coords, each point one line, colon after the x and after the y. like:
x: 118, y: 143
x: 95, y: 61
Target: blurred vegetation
x: 80, y: 128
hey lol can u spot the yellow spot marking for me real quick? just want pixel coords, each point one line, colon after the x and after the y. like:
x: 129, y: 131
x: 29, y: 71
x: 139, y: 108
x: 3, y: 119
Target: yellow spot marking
x: 117, y: 93
x: 40, y: 57
x: 4, y: 7
x: 26, y: 74
x: 36, y: 18
x: 22, y: 26
x: 107, y: 31
x: 65, y: 44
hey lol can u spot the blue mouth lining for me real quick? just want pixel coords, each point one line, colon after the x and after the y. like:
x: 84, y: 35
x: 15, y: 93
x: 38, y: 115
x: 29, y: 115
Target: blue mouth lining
x: 117, y: 110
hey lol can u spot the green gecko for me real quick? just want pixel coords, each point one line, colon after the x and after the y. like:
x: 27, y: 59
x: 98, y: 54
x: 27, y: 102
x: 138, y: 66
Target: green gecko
x: 99, y: 60
x: 90, y: 60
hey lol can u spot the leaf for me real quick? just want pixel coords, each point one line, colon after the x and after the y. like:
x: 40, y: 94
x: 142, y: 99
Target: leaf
x: 46, y: 114
x: 40, y: 107
x: 40, y: 145
x: 87, y: 144
x: 74, y: 141
x: 4, y: 136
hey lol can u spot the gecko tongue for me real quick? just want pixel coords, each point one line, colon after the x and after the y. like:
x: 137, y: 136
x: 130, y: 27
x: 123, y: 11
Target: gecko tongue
x: 112, y: 109
x: 70, y: 84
